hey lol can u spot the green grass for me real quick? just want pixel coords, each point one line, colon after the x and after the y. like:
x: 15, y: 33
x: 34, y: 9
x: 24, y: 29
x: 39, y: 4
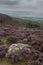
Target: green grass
x: 23, y: 23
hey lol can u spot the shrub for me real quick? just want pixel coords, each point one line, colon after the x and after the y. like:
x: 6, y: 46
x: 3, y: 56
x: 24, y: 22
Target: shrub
x: 3, y: 50
x: 11, y: 40
x: 32, y: 25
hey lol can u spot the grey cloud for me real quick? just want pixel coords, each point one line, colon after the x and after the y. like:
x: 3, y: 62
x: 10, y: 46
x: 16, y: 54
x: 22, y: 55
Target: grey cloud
x: 25, y: 2
x: 33, y: 7
x: 12, y: 2
x: 40, y: 2
x: 22, y: 3
x: 8, y: 2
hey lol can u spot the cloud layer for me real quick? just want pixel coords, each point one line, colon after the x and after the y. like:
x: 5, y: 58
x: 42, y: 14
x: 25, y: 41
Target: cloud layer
x: 34, y: 6
x: 22, y: 3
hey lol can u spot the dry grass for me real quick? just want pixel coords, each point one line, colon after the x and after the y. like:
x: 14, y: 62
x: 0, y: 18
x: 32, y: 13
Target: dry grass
x: 4, y: 61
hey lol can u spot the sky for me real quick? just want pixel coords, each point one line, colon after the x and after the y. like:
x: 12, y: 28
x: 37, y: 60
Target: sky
x: 25, y: 7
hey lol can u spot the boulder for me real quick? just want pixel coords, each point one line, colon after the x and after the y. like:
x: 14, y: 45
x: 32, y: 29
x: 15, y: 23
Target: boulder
x: 17, y: 51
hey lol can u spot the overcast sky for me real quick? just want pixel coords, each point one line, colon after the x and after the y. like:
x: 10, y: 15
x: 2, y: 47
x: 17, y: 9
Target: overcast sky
x: 22, y: 5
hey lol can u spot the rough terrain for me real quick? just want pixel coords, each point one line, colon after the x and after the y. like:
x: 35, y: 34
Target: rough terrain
x: 33, y: 37
x: 20, y: 45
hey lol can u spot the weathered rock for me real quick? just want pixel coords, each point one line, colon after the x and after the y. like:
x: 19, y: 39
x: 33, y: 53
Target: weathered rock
x: 17, y: 50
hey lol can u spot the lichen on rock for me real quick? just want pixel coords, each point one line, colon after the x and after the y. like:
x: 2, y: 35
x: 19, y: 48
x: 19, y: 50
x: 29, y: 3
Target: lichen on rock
x: 16, y: 51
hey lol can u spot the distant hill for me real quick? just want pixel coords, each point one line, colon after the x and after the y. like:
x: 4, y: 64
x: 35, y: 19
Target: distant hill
x: 5, y: 18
